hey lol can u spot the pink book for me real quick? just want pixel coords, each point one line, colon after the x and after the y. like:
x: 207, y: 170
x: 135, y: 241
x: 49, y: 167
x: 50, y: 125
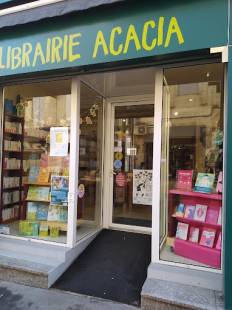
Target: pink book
x: 194, y: 234
x: 200, y: 213
x: 207, y: 237
x: 182, y: 231
x: 212, y: 215
x: 219, y: 242
x: 184, y: 179
x: 219, y: 183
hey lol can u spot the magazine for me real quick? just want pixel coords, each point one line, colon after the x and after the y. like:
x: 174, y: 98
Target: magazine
x: 180, y: 210
x: 184, y: 179
x: 200, y: 213
x: 59, y: 190
x: 204, y: 182
x: 207, y: 237
x: 194, y: 234
x: 182, y: 231
x: 189, y: 212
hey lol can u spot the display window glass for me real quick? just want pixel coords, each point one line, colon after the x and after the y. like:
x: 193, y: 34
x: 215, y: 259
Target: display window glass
x: 35, y: 160
x: 192, y: 165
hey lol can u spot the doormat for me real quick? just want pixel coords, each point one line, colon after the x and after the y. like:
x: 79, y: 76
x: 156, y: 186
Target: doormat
x: 114, y: 266
x: 132, y: 221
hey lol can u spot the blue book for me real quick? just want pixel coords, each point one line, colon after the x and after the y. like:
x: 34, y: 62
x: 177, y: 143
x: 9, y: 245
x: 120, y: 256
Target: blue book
x: 42, y: 212
x: 59, y: 190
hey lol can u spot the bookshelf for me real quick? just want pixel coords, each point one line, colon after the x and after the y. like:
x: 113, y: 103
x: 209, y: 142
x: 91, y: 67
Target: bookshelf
x: 12, y: 168
x: 206, y: 255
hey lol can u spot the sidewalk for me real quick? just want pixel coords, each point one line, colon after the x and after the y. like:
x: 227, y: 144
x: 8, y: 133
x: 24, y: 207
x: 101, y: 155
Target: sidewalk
x: 19, y: 297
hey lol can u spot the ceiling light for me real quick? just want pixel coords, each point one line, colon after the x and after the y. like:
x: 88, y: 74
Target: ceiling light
x: 207, y: 74
x: 176, y: 113
x: 190, y: 99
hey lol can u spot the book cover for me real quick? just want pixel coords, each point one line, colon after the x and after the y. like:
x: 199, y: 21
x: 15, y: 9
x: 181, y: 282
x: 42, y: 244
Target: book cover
x: 194, y: 234
x: 219, y: 221
x: 33, y: 174
x: 180, y: 210
x: 184, y: 179
x: 200, y: 213
x: 182, y: 231
x: 207, y: 237
x: 219, y: 242
x: 54, y: 213
x: 31, y: 211
x: 189, y: 211
x: 43, y: 230
x: 42, y: 212
x: 219, y: 183
x: 59, y: 190
x: 43, y: 176
x: 63, y: 214
x: 38, y: 193
x: 204, y: 182
x: 212, y: 215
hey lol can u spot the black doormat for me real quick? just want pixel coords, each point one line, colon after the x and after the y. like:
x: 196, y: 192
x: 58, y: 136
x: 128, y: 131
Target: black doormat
x: 114, y: 266
x: 132, y: 221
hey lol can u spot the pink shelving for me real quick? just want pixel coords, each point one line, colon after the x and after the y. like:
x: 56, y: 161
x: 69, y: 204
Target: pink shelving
x: 213, y: 196
x: 198, y: 223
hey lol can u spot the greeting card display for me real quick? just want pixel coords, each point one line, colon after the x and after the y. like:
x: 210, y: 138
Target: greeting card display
x: 182, y: 231
x: 200, y: 213
x: 189, y: 212
x: 184, y: 179
x: 180, y: 210
x: 194, y: 234
x: 204, y: 182
x: 207, y: 237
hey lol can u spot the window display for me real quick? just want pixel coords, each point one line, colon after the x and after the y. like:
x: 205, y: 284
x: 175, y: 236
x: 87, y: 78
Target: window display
x: 35, y: 162
x: 193, y: 154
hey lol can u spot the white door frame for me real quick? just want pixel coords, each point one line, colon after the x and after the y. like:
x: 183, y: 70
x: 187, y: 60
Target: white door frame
x: 108, y: 162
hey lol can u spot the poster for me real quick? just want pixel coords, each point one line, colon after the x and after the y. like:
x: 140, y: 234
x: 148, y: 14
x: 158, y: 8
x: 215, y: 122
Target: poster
x: 58, y: 141
x: 142, y: 187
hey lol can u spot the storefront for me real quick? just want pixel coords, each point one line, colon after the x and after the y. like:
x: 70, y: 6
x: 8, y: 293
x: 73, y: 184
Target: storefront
x: 122, y: 122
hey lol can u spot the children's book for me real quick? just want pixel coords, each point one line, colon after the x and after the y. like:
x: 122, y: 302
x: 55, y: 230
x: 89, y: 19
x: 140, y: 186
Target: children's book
x: 31, y: 211
x: 200, y: 213
x: 33, y: 174
x: 43, y: 176
x: 219, y: 183
x: 212, y: 215
x: 180, y: 210
x: 28, y: 228
x: 219, y: 242
x: 194, y: 234
x: 207, y: 237
x: 189, y: 211
x: 38, y: 193
x: 42, y: 211
x: 204, y: 182
x: 184, y: 179
x: 182, y: 231
x: 54, y: 213
x: 43, y: 230
x: 59, y: 190
x: 219, y: 221
x: 63, y: 214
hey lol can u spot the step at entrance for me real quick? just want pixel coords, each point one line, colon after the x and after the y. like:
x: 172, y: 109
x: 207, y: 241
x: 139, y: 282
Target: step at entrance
x: 114, y: 266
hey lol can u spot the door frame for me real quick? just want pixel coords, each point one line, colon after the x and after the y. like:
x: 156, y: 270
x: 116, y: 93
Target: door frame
x: 111, y: 103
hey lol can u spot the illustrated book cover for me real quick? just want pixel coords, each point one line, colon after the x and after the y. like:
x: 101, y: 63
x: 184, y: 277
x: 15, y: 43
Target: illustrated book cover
x: 189, y: 211
x: 59, y: 190
x: 33, y: 174
x: 42, y: 211
x: 38, y: 193
x: 204, y: 182
x: 212, y: 215
x: 182, y: 231
x: 180, y: 210
x: 31, y: 211
x: 194, y: 234
x: 54, y: 213
x: 207, y: 237
x: 184, y: 179
x: 200, y: 212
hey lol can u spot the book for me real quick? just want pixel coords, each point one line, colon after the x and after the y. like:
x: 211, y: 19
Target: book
x: 184, y: 179
x: 31, y: 211
x: 59, y: 190
x: 219, y: 221
x: 189, y: 211
x: 42, y: 211
x: 204, y: 182
x: 33, y: 174
x: 219, y: 242
x: 219, y: 183
x: 43, y: 230
x: 207, y: 237
x: 63, y: 216
x: 200, y: 213
x: 180, y: 210
x: 43, y: 176
x: 182, y: 231
x: 194, y: 234
x: 38, y: 193
x: 28, y: 228
x: 212, y: 215
x: 54, y: 213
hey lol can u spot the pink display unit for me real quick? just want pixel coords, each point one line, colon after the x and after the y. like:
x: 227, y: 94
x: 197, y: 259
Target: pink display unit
x: 188, y: 249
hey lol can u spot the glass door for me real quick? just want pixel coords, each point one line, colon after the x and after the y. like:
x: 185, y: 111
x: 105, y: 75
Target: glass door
x: 132, y: 164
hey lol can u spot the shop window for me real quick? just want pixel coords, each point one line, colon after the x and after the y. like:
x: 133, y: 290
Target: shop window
x: 192, y: 166
x: 35, y: 160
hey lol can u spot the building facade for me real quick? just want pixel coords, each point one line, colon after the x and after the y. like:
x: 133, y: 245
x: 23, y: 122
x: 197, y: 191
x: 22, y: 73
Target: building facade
x: 116, y: 115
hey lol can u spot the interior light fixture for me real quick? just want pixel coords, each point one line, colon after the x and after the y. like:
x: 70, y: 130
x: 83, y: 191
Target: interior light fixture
x: 208, y: 74
x: 176, y: 113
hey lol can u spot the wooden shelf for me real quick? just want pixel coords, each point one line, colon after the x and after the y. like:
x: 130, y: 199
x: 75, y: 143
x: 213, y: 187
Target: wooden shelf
x: 38, y: 184
x: 34, y: 139
x: 8, y: 205
x: 12, y: 134
x: 11, y: 220
x: 11, y: 189
x: 56, y: 224
x: 34, y: 200
x: 33, y: 151
x: 14, y: 118
x: 213, y: 196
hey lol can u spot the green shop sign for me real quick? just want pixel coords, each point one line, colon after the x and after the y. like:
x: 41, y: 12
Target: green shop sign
x: 143, y: 31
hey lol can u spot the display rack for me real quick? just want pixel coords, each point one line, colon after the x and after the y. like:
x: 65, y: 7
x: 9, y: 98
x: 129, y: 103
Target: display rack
x: 13, y: 131
x: 186, y: 248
